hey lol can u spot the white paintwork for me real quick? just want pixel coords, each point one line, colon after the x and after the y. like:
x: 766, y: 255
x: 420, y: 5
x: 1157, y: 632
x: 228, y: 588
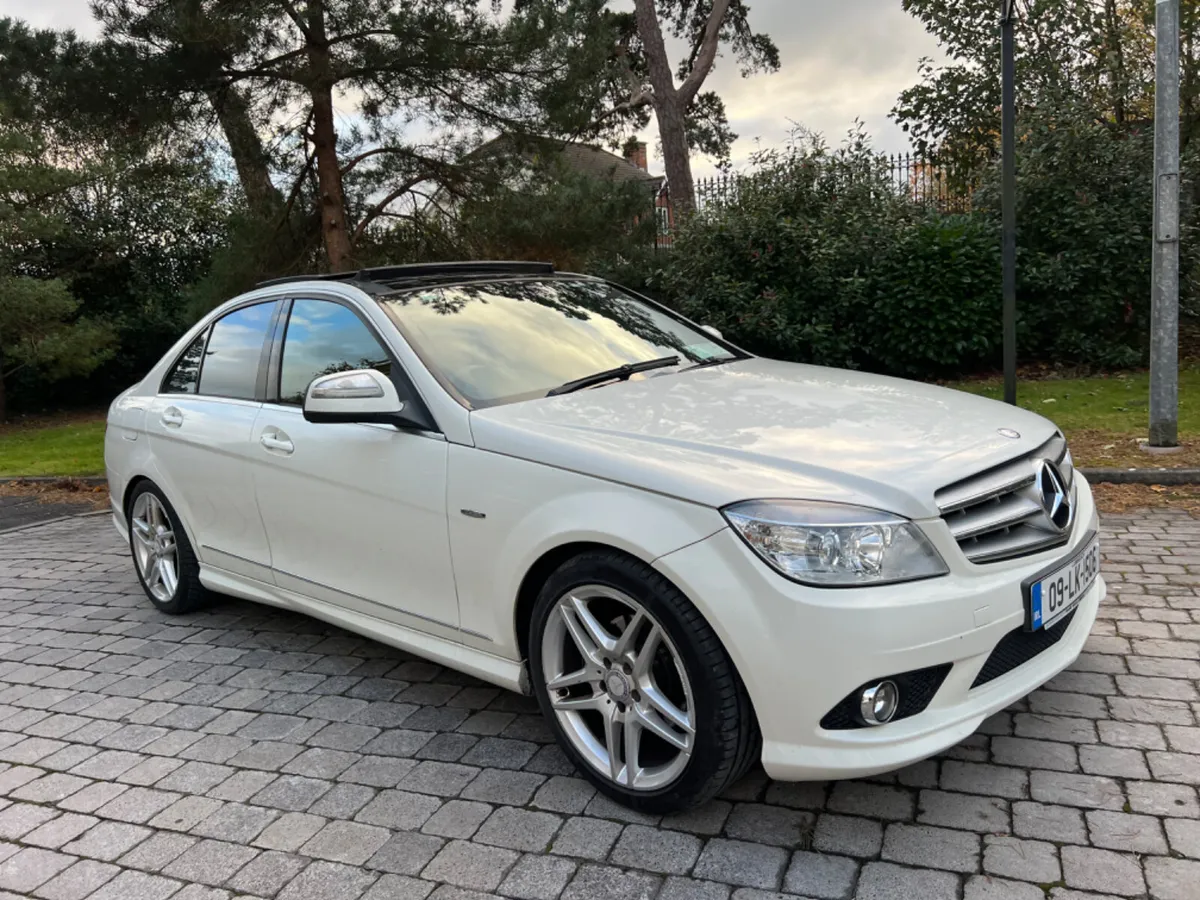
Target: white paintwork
x: 423, y: 540
x: 361, y: 391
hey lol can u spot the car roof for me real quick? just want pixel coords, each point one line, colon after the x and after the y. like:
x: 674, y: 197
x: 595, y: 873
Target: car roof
x: 384, y: 279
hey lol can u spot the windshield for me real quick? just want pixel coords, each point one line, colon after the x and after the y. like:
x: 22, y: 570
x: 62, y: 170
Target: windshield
x: 498, y: 342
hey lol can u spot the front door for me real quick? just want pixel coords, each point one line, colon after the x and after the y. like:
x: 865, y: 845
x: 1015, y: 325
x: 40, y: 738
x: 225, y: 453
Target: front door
x: 355, y: 513
x: 199, y: 425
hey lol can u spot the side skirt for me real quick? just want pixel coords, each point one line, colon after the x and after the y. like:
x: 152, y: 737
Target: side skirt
x: 494, y: 669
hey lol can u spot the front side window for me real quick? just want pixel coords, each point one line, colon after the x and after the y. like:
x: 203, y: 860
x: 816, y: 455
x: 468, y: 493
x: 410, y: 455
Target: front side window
x: 323, y: 338
x: 185, y: 374
x: 500, y: 342
x: 231, y: 359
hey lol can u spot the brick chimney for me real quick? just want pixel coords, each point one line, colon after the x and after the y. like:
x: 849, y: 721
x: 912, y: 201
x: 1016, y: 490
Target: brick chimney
x: 635, y: 152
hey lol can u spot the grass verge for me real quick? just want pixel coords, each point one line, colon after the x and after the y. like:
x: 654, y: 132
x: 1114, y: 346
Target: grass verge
x: 67, y: 445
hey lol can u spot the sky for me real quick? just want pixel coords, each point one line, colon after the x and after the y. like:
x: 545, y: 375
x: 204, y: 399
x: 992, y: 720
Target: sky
x: 841, y: 60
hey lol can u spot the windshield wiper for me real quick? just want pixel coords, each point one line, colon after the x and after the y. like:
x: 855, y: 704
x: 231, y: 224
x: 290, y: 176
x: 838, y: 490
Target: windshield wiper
x: 716, y: 361
x: 620, y: 373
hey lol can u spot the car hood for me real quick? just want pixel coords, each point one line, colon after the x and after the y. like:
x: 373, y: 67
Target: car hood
x: 757, y: 428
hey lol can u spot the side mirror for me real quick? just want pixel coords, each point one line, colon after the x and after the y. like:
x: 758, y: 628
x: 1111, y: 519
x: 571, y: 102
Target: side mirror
x: 361, y: 395
x: 714, y: 331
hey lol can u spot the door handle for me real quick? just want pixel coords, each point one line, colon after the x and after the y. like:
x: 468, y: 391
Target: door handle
x: 277, y: 442
x: 172, y: 417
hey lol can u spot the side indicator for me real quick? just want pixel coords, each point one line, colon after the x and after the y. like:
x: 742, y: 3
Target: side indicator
x: 470, y: 513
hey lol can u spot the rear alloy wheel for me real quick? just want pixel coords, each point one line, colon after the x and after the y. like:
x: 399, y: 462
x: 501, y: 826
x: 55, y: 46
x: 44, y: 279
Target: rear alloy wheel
x: 166, y: 566
x: 637, y: 686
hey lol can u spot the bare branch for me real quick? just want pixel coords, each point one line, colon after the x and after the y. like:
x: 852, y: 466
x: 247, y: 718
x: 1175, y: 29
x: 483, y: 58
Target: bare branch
x: 378, y: 209
x: 290, y: 9
x: 708, y: 52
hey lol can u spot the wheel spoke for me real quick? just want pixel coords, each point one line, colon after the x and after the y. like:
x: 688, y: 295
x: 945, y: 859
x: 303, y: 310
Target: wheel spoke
x: 668, y: 710
x: 633, y: 745
x: 595, y: 631
x: 587, y: 675
x: 143, y: 532
x: 153, y: 573
x: 166, y: 571
x: 645, y: 657
x: 612, y: 743
x: 626, y: 642
x: 577, y: 704
x: 651, y: 722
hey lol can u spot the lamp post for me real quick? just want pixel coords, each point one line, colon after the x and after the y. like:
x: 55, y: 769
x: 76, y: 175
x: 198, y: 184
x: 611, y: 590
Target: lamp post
x: 1008, y: 197
x: 1164, y: 291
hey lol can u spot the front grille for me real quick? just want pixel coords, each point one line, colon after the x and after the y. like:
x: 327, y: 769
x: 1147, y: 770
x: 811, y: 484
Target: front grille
x: 917, y: 689
x: 1020, y: 646
x: 999, y: 514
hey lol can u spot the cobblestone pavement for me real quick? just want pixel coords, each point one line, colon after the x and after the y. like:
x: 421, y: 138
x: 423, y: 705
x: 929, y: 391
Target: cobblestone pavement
x: 248, y: 752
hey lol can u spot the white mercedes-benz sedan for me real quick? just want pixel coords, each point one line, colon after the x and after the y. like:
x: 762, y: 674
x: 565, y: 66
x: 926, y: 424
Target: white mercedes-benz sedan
x: 694, y: 558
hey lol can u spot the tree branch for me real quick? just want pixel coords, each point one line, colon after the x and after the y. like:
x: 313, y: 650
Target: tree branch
x: 708, y: 52
x: 377, y: 210
x: 290, y: 9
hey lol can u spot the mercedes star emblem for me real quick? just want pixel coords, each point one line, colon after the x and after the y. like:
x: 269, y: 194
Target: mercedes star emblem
x: 1052, y: 490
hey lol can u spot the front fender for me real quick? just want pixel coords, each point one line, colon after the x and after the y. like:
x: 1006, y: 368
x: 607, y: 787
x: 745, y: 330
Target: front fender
x: 531, y: 510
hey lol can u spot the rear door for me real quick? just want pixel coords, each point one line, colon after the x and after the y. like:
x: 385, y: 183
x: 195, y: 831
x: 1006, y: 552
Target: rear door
x: 355, y: 513
x: 200, y: 425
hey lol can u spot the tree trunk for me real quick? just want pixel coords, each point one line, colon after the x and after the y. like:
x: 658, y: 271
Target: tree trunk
x: 676, y: 155
x: 3, y: 395
x: 254, y: 173
x: 329, y: 173
x: 1116, y: 61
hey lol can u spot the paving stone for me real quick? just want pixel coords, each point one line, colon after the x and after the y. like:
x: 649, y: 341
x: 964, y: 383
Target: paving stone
x: 138, y: 804
x: 292, y: 793
x: 457, y: 819
x: 289, y: 832
x: 378, y: 771
x: 770, y: 825
x: 131, y: 885
x: 1102, y: 870
x: 1163, y: 799
x: 499, y: 786
x: 1122, y: 831
x: 519, y: 829
x: 884, y: 881
x: 442, y: 779
x: 406, y: 853
x: 934, y: 848
x: 31, y: 867
x: 242, y: 786
x: 209, y: 862
x: 328, y: 881
x: 962, y: 811
x: 690, y: 889
x: 185, y: 813
x: 1067, y: 789
x: 59, y: 831
x: 21, y: 818
x: 740, y: 863
x: 861, y: 798
x: 1118, y: 762
x: 399, y: 887
x: 656, y: 850
x: 107, y: 840
x: 343, y: 801
x: 1184, y: 837
x: 267, y: 873
x: 1011, y: 857
x: 595, y: 882
x: 1172, y: 879
x: 538, y: 878
x: 708, y: 819
x: 847, y: 834
x: 157, y: 851
x: 470, y: 865
x: 50, y: 789
x: 348, y: 842
x: 821, y: 876
x: 236, y: 822
x: 586, y: 838
x: 1031, y: 754
x: 398, y: 809
x: 975, y: 778
x: 986, y: 887
x: 797, y: 794
x: 77, y: 882
x: 564, y: 795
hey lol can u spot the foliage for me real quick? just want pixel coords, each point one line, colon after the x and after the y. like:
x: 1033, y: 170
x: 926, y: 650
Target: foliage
x: 819, y: 259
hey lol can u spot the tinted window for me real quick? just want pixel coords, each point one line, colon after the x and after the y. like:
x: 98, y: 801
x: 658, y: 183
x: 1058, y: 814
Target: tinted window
x: 515, y: 340
x: 231, y: 359
x: 183, y: 376
x: 323, y: 338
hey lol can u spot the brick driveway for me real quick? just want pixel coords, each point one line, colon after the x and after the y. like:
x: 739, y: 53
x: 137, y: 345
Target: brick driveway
x: 249, y: 752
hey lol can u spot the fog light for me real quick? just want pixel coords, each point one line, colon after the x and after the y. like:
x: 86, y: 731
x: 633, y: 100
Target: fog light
x: 878, y: 703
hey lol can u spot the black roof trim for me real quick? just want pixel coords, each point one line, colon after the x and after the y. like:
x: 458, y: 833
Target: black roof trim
x: 382, y: 274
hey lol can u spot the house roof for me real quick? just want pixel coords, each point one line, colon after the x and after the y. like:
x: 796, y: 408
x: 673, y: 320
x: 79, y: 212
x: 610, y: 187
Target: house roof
x: 580, y: 157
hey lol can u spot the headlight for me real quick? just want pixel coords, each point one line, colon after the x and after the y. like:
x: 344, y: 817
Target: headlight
x: 831, y: 545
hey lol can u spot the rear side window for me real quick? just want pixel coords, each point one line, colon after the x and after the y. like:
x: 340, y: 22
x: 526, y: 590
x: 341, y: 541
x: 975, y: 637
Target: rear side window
x: 185, y: 374
x: 231, y: 359
x: 323, y: 338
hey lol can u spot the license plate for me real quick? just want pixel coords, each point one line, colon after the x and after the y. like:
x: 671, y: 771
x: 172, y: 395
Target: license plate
x: 1052, y: 594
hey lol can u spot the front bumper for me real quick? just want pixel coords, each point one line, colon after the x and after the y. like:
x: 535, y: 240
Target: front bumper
x: 800, y: 650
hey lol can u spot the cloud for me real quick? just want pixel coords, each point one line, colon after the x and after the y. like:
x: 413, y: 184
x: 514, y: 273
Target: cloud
x: 841, y: 60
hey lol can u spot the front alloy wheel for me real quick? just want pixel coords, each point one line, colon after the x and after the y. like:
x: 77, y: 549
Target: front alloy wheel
x: 618, y: 688
x: 636, y: 685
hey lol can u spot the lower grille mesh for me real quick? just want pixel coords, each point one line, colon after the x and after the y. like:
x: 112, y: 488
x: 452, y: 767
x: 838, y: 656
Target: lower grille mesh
x: 1020, y: 646
x: 917, y: 689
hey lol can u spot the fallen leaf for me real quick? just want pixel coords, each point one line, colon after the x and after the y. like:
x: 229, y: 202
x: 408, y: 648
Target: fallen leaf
x: 1049, y: 400
x: 1158, y: 488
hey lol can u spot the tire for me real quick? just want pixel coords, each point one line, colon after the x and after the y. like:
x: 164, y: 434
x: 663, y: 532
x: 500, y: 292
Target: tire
x: 687, y: 666
x: 183, y: 592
